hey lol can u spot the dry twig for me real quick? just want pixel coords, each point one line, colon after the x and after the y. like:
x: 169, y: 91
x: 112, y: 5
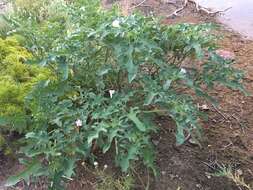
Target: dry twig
x: 219, y: 112
x: 198, y: 8
x: 139, y: 4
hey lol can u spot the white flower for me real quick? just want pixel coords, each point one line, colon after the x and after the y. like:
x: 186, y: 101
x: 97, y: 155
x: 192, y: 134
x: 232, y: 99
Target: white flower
x: 183, y: 71
x: 111, y: 92
x: 116, y: 24
x: 82, y: 8
x: 205, y: 107
x: 95, y: 164
x: 105, y: 166
x: 79, y: 123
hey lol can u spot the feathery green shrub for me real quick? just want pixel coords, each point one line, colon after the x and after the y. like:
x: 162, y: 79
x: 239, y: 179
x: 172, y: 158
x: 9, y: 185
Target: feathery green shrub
x: 17, y: 79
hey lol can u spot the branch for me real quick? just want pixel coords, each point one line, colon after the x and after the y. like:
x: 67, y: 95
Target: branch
x: 133, y: 7
x: 198, y: 8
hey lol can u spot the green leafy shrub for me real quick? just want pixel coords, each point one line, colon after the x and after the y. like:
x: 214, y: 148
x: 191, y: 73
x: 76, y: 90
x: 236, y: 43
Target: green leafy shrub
x: 114, y: 74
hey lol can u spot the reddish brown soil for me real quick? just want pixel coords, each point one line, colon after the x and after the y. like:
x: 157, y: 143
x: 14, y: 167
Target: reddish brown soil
x: 228, y: 134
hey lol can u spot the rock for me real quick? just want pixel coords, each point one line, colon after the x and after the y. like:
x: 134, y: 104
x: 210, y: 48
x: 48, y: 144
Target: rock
x: 227, y: 55
x: 193, y: 142
x: 239, y: 172
x: 203, y: 107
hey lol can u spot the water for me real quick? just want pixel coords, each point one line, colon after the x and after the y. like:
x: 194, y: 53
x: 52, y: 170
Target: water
x: 239, y: 17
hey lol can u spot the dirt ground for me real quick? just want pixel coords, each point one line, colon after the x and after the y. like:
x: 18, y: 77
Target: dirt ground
x: 228, y: 133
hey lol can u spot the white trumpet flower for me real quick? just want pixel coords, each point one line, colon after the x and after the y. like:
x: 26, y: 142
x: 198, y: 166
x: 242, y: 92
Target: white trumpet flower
x: 111, y: 92
x: 95, y: 164
x: 183, y: 71
x: 79, y: 123
x: 116, y: 24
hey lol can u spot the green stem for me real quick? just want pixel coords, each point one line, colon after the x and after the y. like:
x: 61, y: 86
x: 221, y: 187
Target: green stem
x: 155, y: 111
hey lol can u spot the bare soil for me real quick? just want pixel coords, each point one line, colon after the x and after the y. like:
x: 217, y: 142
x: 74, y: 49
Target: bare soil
x: 228, y: 133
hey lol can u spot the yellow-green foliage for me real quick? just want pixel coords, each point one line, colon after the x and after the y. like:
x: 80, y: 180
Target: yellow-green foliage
x: 110, y: 182
x: 4, y: 148
x: 42, y: 9
x: 31, y: 5
x: 17, y: 78
x: 2, y: 141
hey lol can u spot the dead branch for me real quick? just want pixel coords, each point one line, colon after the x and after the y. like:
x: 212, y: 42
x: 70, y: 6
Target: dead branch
x: 175, y: 13
x: 198, y: 8
x: 139, y: 4
x: 213, y: 12
x: 219, y: 112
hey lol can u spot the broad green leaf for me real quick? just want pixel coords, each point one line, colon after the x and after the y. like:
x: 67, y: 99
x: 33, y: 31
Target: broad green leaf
x: 150, y: 98
x: 132, y: 70
x: 131, y: 155
x: 167, y: 84
x: 180, y: 137
x: 56, y: 181
x: 30, y: 135
x: 31, y: 169
x: 95, y: 134
x: 149, y: 158
x: 132, y: 116
x: 69, y: 167
x: 112, y: 134
x: 198, y: 51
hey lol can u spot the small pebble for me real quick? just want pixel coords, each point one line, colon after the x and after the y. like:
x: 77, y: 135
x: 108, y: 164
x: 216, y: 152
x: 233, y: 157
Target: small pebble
x: 239, y: 172
x: 208, y: 175
x: 193, y: 142
x: 198, y: 185
x: 155, y: 142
